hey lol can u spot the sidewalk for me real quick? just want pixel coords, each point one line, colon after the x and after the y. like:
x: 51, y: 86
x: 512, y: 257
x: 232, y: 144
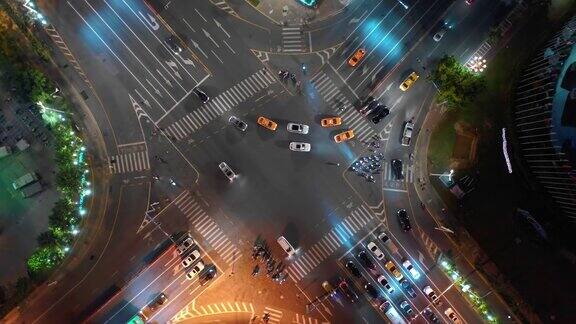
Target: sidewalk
x: 467, y: 254
x: 293, y: 13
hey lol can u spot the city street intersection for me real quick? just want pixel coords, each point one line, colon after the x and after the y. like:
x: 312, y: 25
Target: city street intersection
x: 164, y: 146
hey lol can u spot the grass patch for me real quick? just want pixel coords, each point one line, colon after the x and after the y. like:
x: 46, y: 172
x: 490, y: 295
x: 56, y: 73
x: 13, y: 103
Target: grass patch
x: 442, y: 143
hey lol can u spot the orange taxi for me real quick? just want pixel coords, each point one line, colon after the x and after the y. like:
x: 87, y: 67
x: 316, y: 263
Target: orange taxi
x: 357, y: 57
x: 267, y: 123
x: 331, y: 121
x: 344, y: 136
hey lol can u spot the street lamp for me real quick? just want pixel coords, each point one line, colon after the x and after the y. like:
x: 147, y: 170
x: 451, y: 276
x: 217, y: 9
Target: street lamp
x: 477, y: 64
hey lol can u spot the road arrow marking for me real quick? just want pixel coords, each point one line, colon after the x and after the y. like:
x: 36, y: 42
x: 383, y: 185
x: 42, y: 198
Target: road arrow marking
x: 174, y: 67
x: 198, y: 48
x: 165, y: 79
x: 155, y: 90
x: 220, y: 26
x: 353, y: 21
x: 207, y: 34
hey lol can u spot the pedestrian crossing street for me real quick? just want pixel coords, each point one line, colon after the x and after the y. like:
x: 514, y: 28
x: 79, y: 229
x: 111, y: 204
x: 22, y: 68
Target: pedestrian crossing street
x: 193, y: 311
x: 217, y: 106
x: 338, y: 235
x: 275, y: 315
x: 292, y: 40
x: 206, y: 227
x: 129, y: 162
x: 342, y: 106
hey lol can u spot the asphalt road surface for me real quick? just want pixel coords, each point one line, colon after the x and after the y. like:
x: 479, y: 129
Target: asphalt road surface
x: 166, y: 144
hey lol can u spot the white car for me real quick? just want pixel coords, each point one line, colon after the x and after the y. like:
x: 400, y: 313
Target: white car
x: 408, y: 265
x: 190, y: 259
x: 452, y: 316
x: 429, y: 292
x: 438, y: 36
x: 238, y: 123
x: 300, y: 147
x: 407, y: 133
x: 195, y: 271
x: 185, y: 244
x: 227, y: 171
x: 286, y: 246
x: 297, y: 128
x: 382, y: 280
x: 375, y: 250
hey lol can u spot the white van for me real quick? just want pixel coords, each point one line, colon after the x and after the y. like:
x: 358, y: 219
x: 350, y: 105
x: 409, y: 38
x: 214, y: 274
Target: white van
x: 286, y: 246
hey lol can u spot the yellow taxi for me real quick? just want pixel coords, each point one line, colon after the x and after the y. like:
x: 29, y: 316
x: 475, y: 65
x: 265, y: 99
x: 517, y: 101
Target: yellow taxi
x: 409, y: 81
x: 394, y: 270
x: 331, y: 121
x: 357, y: 57
x: 267, y: 123
x: 344, y: 136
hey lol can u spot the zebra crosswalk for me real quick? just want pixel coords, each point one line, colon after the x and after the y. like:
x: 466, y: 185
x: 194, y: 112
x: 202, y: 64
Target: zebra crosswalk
x: 192, y: 311
x: 292, y: 40
x: 209, y: 230
x: 217, y: 106
x: 341, y: 105
x: 274, y: 314
x: 302, y: 319
x: 224, y: 6
x: 330, y: 242
x: 129, y: 162
x: 387, y: 174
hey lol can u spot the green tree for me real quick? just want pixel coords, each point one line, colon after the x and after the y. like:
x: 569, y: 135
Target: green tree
x: 457, y: 85
x: 61, y: 214
x: 43, y: 260
x: 46, y: 238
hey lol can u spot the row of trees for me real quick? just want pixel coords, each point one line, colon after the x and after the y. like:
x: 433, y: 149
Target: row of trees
x: 19, y: 72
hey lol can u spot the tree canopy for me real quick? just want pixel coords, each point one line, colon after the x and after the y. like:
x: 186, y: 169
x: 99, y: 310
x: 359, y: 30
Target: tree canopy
x: 457, y: 85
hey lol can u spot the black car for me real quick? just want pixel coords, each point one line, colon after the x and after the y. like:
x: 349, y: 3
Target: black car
x: 408, y: 288
x: 344, y: 287
x: 208, y: 274
x: 404, y: 220
x: 366, y: 260
x: 173, y: 44
x: 353, y: 269
x: 201, y: 95
x: 431, y: 316
x: 397, y: 169
x: 381, y: 114
x: 371, y: 290
x: 370, y: 101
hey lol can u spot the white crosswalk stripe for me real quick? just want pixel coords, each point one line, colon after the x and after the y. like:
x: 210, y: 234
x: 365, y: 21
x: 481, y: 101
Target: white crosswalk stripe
x: 206, y: 227
x: 275, y: 314
x: 224, y: 6
x: 220, y: 104
x: 330, y: 242
x: 129, y: 162
x: 302, y: 319
x: 292, y: 40
x: 341, y: 105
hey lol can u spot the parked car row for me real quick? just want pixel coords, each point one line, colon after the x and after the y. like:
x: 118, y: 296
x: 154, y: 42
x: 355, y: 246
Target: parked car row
x: 192, y: 262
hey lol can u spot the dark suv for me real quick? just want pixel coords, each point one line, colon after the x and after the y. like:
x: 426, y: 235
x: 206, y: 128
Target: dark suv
x: 380, y: 113
x: 404, y: 220
x: 397, y: 169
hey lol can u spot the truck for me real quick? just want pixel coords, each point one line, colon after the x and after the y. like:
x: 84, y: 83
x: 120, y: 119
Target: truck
x: 394, y: 316
x: 25, y: 180
x: 407, y: 134
x: 31, y: 190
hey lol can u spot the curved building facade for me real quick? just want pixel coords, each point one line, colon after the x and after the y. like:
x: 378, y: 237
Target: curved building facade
x: 545, y: 118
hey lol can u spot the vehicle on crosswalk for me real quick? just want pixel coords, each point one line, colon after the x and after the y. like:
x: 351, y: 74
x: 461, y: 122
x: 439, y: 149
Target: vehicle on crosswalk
x: 380, y: 113
x: 397, y: 169
x: 201, y: 95
x: 375, y: 250
x: 404, y: 86
x: 227, y: 170
x: 370, y: 108
x: 384, y: 282
x: 297, y: 128
x: 186, y: 243
x: 407, y: 133
x: 394, y: 270
x: 286, y: 246
x: 404, y: 220
x: 413, y: 272
x: 344, y: 136
x: 331, y: 121
x: 431, y: 294
x: 191, y: 258
x: 357, y: 57
x: 195, y: 270
x: 238, y: 123
x: 369, y: 102
x: 267, y: 123
x: 300, y: 147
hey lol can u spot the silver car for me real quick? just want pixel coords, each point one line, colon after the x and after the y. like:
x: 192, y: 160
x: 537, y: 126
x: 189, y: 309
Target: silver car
x: 236, y: 122
x: 185, y: 244
x: 300, y: 147
x: 227, y: 171
x: 190, y: 259
x: 297, y: 128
